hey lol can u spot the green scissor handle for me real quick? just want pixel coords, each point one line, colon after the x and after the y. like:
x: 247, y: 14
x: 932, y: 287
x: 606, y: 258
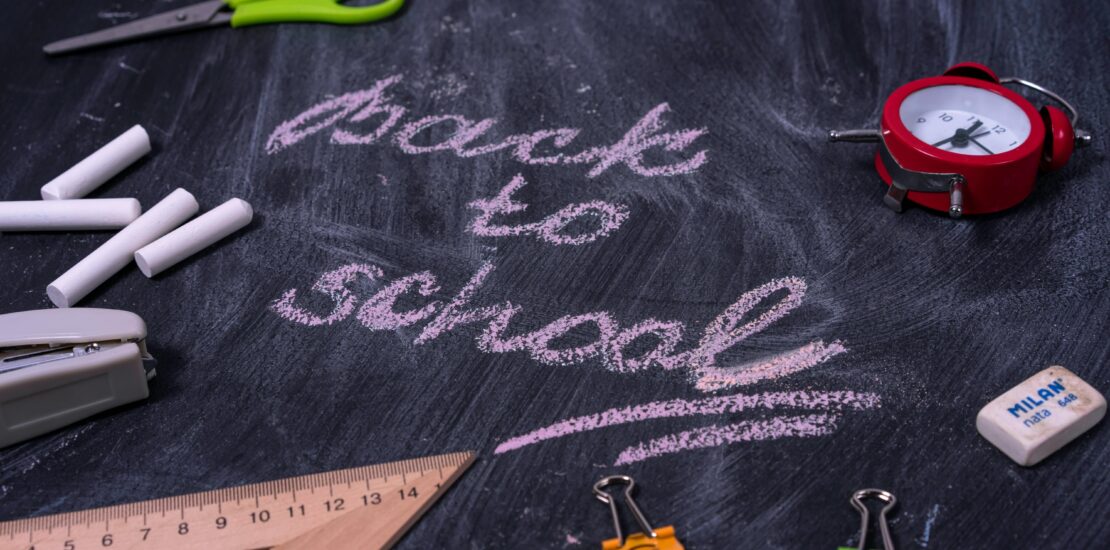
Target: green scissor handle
x: 255, y: 12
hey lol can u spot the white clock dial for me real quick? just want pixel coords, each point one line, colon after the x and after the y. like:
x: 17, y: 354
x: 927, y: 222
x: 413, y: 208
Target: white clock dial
x: 965, y: 120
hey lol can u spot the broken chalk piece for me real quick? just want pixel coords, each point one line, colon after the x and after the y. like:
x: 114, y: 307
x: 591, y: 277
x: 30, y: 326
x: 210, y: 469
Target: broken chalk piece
x: 99, y: 167
x: 194, y: 236
x: 1042, y: 414
x: 117, y: 252
x: 68, y: 215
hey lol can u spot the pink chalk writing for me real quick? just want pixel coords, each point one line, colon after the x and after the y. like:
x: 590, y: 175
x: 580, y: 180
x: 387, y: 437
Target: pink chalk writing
x: 724, y: 333
x: 609, y: 218
x: 373, y: 116
x: 307, y: 123
x: 773, y: 428
x: 608, y: 345
x: 502, y: 204
x: 811, y: 354
x: 667, y: 336
x: 454, y: 313
x: 332, y: 284
x: 465, y: 131
x: 834, y: 400
x: 643, y: 136
x: 377, y: 313
x: 366, y: 117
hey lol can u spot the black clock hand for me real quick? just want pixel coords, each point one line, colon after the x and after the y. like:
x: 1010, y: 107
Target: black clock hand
x: 943, y: 141
x: 972, y: 138
x: 976, y: 142
x: 960, y: 135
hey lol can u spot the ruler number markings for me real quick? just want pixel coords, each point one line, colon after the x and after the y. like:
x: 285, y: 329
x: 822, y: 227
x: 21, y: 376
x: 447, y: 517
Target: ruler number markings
x: 202, y: 525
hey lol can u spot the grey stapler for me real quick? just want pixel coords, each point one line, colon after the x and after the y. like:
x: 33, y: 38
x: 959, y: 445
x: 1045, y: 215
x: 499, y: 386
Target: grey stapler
x: 58, y: 366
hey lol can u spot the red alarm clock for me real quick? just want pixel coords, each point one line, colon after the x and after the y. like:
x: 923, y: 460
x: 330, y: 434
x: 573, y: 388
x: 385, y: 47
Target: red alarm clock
x: 964, y: 143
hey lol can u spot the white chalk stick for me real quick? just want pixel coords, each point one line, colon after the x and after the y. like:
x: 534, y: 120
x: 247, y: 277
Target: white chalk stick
x: 194, y: 236
x: 68, y: 215
x: 99, y: 167
x: 113, y: 255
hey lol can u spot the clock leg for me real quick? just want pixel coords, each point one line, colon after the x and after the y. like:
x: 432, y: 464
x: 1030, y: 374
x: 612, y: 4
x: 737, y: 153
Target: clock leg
x: 894, y: 197
x: 956, y: 197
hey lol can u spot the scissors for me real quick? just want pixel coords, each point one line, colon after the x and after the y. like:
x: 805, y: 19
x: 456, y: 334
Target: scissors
x: 239, y: 13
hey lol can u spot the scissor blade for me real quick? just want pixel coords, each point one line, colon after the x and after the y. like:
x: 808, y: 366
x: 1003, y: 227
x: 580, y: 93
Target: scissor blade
x: 205, y: 14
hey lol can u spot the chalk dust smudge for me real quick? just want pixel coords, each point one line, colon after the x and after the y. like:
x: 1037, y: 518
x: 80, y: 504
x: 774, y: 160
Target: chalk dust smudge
x: 930, y: 521
x: 114, y: 16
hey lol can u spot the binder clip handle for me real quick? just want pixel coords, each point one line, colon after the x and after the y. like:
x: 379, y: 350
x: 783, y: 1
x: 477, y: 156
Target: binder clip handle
x: 857, y: 503
x: 599, y: 492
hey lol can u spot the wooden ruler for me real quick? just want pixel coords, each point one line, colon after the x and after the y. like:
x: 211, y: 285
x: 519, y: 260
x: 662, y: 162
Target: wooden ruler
x: 366, y: 507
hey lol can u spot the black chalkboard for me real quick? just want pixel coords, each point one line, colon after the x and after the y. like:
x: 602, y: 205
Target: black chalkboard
x: 919, y: 319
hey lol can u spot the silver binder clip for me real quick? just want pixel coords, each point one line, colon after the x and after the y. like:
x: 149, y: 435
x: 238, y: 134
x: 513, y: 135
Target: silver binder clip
x: 599, y: 492
x: 884, y: 530
x: 58, y: 366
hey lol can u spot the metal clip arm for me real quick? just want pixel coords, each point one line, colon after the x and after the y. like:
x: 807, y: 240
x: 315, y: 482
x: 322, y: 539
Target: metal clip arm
x: 599, y: 492
x: 1082, y: 137
x: 865, y: 516
x: 855, y: 136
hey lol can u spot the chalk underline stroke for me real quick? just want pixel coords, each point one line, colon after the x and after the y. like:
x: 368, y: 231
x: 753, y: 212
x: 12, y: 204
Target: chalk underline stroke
x: 714, y: 436
x: 677, y: 408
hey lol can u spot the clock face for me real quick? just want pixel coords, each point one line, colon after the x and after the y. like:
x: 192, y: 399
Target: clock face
x: 965, y: 120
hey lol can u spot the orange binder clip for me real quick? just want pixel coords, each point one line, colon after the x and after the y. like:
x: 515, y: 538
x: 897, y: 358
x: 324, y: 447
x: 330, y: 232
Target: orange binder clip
x: 650, y: 539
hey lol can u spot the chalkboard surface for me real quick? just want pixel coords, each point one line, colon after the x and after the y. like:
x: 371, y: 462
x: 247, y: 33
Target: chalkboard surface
x: 701, y: 292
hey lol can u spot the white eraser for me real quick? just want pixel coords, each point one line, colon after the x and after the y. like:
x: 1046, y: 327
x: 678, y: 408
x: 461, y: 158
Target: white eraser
x: 1042, y: 414
x: 68, y: 215
x: 194, y: 236
x: 99, y: 167
x: 113, y: 255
